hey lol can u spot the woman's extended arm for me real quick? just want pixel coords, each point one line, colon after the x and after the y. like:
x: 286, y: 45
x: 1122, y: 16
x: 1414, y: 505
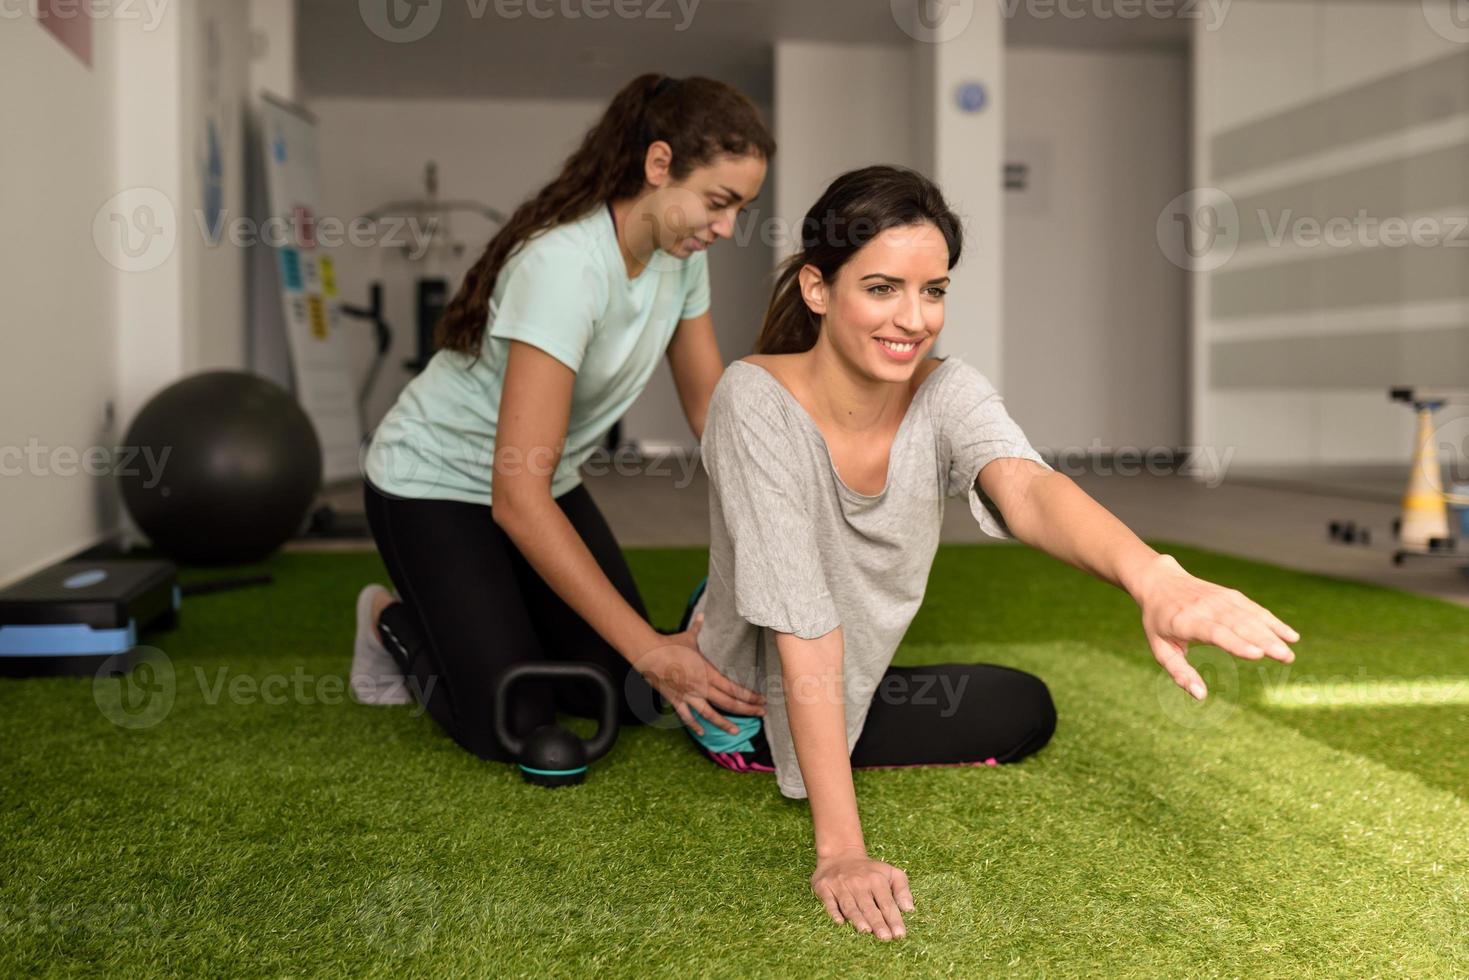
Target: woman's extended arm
x: 693, y: 356
x: 872, y: 895
x: 535, y: 407
x: 1047, y: 510
x: 811, y: 674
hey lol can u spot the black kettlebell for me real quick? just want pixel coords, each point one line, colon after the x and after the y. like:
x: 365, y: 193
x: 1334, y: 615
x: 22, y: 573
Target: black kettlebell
x: 551, y: 755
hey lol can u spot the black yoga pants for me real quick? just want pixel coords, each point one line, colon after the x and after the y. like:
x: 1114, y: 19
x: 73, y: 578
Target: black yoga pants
x: 932, y: 715
x: 473, y: 606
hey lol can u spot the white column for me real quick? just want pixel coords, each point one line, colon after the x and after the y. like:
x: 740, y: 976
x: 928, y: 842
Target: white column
x: 959, y: 115
x: 273, y: 48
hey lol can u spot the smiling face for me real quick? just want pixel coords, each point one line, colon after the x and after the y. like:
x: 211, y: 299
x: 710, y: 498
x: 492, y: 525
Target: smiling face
x: 884, y: 308
x: 690, y: 215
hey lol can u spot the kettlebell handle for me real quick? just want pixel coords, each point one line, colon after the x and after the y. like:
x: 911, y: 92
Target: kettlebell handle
x: 599, y: 743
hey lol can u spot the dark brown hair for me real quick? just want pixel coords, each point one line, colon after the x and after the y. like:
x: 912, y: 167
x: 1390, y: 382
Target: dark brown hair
x: 857, y: 207
x: 699, y: 118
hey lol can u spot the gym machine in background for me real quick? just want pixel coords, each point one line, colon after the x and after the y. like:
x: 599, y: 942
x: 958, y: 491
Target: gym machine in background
x: 1424, y: 528
x: 439, y: 248
x: 327, y: 521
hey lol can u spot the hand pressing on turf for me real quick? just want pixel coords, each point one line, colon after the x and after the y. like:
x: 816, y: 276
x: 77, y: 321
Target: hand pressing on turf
x: 871, y: 895
x: 677, y: 670
x: 1179, y: 608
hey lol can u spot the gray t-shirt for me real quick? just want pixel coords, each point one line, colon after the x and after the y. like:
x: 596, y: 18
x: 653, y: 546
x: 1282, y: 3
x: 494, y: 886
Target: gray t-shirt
x: 793, y: 549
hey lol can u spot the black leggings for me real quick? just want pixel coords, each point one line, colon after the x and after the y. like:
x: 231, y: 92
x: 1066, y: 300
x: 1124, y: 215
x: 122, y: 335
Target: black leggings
x: 473, y: 606
x: 931, y: 715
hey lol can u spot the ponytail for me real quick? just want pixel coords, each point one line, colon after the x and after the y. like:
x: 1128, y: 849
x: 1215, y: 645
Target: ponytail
x: 790, y: 327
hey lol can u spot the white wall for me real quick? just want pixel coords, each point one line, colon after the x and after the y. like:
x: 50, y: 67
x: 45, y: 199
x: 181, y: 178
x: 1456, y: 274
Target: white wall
x: 840, y: 107
x: 88, y: 326
x: 181, y: 308
x: 273, y: 48
x: 58, y: 346
x: 1096, y: 327
x: 499, y: 152
x: 967, y: 161
x: 1312, y: 110
x: 215, y: 71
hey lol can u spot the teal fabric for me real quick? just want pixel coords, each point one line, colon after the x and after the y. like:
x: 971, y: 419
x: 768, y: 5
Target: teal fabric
x: 718, y: 740
x: 688, y: 609
x: 566, y: 292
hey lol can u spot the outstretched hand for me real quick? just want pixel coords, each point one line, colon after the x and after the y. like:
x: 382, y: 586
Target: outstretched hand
x: 1179, y: 608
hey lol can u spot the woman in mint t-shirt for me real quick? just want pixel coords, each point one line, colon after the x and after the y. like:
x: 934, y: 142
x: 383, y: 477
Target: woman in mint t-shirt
x: 497, y: 552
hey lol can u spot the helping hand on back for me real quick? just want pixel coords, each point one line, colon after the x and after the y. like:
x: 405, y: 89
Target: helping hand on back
x: 678, y: 671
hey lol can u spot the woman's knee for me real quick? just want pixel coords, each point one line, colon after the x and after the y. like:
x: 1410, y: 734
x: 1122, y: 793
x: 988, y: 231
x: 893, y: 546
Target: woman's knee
x: 1034, y: 712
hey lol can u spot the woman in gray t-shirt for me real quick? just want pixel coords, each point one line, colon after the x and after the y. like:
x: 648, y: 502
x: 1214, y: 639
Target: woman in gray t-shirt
x: 830, y: 454
x: 795, y: 550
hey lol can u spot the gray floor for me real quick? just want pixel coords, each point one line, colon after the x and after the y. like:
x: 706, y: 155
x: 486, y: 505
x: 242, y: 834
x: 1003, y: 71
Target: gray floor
x: 1275, y: 516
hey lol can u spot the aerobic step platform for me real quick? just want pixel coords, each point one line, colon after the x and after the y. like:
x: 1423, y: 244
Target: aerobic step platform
x: 70, y: 618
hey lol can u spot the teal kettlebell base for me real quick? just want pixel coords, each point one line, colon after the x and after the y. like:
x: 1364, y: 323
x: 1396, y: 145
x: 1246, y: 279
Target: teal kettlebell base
x: 554, y: 772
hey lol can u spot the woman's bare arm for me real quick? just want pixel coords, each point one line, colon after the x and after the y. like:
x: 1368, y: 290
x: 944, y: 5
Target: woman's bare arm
x: 1048, y: 511
x: 872, y: 895
x: 535, y: 409
x: 811, y: 673
x: 693, y: 356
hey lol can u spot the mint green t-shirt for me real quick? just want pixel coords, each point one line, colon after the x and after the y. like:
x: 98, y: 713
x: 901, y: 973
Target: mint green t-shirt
x: 567, y: 292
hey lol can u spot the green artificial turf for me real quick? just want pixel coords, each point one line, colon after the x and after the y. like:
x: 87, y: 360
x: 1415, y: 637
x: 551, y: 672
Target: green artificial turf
x: 305, y: 835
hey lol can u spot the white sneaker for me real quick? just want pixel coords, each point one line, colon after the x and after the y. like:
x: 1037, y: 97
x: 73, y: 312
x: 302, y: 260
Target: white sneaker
x: 376, y: 678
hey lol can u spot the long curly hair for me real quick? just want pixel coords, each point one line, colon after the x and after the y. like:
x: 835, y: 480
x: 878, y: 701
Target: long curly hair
x: 699, y: 118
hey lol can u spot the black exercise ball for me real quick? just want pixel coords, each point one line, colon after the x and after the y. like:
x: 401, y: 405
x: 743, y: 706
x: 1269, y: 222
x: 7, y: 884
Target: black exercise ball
x: 243, y: 465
